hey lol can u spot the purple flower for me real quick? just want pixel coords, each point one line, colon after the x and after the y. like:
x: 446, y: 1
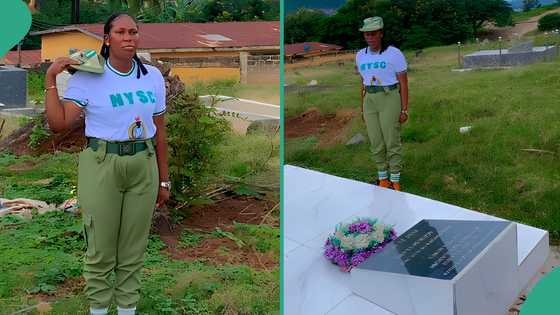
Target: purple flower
x: 347, y: 259
x: 360, y: 257
x: 360, y: 227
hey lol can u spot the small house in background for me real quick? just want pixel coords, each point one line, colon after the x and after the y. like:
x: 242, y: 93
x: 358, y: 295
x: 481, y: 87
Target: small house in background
x: 292, y: 52
x: 198, y: 51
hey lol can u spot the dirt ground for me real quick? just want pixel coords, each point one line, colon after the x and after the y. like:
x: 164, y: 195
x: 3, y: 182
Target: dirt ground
x: 520, y: 28
x: 222, y: 214
x: 328, y: 128
x: 319, y: 60
x: 72, y: 140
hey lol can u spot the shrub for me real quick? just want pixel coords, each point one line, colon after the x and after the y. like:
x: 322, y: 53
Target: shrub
x: 549, y: 22
x: 40, y: 131
x: 193, y: 131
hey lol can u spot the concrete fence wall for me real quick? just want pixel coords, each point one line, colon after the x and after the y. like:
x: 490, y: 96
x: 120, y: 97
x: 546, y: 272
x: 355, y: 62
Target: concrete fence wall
x: 493, y: 58
x: 244, y: 67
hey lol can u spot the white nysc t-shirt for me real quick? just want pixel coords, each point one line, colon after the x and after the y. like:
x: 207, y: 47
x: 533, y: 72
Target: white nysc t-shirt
x: 380, y: 69
x: 118, y: 106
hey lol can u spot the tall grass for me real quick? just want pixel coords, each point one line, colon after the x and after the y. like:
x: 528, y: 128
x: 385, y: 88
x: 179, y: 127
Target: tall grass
x: 35, y: 87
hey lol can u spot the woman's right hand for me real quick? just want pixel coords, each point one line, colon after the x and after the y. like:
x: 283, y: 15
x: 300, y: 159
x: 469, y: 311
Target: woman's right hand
x: 61, y: 64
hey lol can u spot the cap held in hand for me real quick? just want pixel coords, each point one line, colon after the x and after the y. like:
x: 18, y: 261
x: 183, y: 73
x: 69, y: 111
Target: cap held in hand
x: 89, y: 60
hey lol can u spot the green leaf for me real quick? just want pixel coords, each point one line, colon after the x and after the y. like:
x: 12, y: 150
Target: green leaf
x: 244, y: 190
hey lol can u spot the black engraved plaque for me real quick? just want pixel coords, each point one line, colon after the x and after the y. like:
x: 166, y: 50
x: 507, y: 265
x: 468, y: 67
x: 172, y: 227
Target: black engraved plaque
x: 436, y: 248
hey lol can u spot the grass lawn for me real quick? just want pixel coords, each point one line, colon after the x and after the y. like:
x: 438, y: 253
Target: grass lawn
x: 524, y: 16
x: 485, y: 170
x: 42, y: 258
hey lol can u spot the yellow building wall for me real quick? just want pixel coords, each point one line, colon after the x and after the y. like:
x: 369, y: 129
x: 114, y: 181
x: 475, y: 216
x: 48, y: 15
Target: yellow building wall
x: 57, y: 45
x: 191, y: 75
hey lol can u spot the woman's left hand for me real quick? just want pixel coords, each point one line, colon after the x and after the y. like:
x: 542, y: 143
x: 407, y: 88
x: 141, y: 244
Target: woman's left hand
x: 163, y: 196
x: 403, y: 118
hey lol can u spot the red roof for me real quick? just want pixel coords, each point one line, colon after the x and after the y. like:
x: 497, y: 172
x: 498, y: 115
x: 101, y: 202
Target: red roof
x: 28, y: 57
x: 308, y: 47
x: 194, y: 35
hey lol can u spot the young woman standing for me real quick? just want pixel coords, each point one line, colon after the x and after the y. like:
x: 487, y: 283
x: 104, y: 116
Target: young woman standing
x: 384, y: 100
x: 123, y: 171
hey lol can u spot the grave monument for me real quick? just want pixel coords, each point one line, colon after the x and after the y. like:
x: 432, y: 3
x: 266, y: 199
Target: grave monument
x: 443, y: 267
x: 13, y: 87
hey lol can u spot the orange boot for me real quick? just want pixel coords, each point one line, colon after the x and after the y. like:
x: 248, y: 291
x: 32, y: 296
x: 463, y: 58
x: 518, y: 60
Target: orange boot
x: 396, y: 186
x: 385, y: 183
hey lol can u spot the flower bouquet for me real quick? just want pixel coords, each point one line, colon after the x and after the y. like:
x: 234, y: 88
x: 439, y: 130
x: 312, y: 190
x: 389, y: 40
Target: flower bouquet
x: 352, y: 243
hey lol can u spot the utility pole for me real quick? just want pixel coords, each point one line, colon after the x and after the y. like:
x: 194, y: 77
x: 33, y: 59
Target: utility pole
x: 459, y: 54
x: 19, y: 54
x: 75, y: 14
x: 500, y: 45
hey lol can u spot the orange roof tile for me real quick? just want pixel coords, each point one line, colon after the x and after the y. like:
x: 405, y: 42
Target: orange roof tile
x: 308, y: 47
x: 28, y: 57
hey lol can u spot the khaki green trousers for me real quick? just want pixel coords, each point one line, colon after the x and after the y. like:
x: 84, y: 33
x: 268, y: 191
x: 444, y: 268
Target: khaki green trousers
x: 381, y: 114
x: 117, y: 195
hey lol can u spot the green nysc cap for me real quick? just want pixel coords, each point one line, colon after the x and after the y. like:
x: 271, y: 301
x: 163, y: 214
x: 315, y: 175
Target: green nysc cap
x: 89, y: 60
x: 372, y: 24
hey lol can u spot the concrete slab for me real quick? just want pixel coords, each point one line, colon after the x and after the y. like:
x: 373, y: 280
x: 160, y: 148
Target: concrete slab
x: 315, y: 202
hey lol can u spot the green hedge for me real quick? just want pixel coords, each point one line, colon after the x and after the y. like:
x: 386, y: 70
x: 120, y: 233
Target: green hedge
x: 549, y: 22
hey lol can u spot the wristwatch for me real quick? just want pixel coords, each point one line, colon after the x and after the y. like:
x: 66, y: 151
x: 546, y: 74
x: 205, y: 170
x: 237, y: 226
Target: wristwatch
x: 404, y: 112
x: 166, y: 185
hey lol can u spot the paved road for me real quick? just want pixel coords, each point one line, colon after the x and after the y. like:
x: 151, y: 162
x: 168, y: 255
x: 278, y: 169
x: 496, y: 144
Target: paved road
x: 249, y: 109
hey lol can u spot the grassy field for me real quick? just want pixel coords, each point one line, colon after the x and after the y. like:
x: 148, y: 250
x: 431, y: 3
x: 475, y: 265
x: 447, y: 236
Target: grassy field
x: 42, y: 258
x: 487, y: 169
x: 524, y: 16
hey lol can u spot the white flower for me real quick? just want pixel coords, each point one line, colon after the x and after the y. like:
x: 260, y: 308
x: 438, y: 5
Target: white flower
x: 362, y: 241
x: 347, y: 243
x: 379, y: 235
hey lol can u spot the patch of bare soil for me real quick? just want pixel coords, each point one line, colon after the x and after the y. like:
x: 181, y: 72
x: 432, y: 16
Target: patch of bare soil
x: 328, y: 128
x: 70, y: 286
x: 72, y: 140
x: 222, y: 215
x: 22, y: 167
x: 220, y: 251
x: 340, y: 59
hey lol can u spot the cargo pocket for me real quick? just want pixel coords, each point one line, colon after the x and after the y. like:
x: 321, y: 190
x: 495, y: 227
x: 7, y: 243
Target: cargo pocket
x: 89, y: 235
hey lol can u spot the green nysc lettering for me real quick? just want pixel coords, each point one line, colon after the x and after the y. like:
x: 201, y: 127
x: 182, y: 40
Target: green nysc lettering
x: 116, y: 100
x: 373, y: 65
x: 144, y: 97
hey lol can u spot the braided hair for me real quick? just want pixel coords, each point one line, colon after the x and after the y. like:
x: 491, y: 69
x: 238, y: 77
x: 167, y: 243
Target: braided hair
x: 105, y: 49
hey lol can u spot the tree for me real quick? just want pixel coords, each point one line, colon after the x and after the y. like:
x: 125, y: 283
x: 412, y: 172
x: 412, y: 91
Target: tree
x: 240, y: 10
x: 481, y: 11
x: 549, y: 22
x: 304, y: 25
x: 408, y: 23
x: 530, y: 4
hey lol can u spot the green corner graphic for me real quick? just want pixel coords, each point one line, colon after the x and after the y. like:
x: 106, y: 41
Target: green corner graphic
x: 542, y: 299
x: 14, y: 23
